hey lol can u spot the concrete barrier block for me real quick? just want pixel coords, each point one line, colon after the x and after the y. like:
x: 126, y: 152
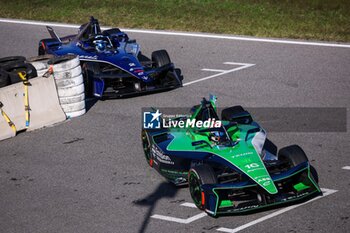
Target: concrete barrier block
x: 44, y: 103
x: 13, y: 99
x: 45, y: 109
x: 5, y: 130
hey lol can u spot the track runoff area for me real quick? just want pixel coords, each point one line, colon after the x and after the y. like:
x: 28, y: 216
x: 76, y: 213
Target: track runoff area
x: 219, y: 70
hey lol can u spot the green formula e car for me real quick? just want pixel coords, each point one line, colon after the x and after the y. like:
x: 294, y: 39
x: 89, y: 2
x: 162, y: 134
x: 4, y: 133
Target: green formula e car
x: 229, y: 164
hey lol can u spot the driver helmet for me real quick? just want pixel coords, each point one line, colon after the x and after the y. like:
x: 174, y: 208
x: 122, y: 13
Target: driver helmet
x: 216, y: 136
x: 100, y: 45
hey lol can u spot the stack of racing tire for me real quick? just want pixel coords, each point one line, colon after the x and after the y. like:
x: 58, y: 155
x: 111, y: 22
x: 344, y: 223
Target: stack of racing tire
x: 9, y: 68
x: 67, y: 73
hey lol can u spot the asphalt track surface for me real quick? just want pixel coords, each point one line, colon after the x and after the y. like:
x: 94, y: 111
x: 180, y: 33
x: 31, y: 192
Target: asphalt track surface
x: 89, y: 174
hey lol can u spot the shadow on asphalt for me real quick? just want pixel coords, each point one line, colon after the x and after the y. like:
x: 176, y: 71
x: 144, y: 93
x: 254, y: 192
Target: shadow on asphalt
x: 164, y: 190
x: 89, y: 103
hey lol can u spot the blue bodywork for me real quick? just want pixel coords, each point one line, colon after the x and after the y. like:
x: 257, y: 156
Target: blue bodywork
x: 111, y: 48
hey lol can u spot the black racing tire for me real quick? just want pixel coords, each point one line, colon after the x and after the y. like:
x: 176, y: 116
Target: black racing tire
x: 89, y: 70
x: 314, y: 173
x: 13, y: 68
x: 293, y: 154
x: 160, y: 58
x: 146, y: 145
x: 4, y: 79
x: 6, y: 60
x: 197, y: 176
x: 41, y: 50
x: 237, y: 114
x: 171, y: 80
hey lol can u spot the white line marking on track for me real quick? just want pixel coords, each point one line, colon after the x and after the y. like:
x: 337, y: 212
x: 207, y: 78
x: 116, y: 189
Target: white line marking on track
x: 213, y: 70
x: 346, y: 168
x: 242, y: 66
x: 201, y: 35
x: 326, y: 192
x: 38, y: 23
x: 188, y: 204
x: 179, y: 220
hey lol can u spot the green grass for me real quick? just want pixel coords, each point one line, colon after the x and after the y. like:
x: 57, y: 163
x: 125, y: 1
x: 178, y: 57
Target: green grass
x: 302, y: 19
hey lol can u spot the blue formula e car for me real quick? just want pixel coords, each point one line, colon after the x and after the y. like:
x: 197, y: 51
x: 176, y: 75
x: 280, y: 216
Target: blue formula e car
x: 112, y: 64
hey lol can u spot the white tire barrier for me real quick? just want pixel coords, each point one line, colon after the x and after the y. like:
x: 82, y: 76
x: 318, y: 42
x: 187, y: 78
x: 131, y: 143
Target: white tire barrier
x: 75, y: 114
x: 70, y: 84
x: 68, y: 73
x: 74, y: 107
x: 72, y: 99
x: 64, y: 63
x: 40, y: 63
x: 70, y: 91
x: 40, y: 73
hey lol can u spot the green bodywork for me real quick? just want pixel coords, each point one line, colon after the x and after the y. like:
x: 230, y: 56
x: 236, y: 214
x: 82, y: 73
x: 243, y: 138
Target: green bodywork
x: 299, y: 187
x: 242, y: 155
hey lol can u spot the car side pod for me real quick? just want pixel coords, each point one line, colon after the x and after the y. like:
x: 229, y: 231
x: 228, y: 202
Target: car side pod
x: 296, y: 184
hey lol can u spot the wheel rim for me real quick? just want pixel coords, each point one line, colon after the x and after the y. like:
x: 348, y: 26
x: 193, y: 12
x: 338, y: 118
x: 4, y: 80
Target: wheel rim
x: 195, y: 190
x: 146, y: 146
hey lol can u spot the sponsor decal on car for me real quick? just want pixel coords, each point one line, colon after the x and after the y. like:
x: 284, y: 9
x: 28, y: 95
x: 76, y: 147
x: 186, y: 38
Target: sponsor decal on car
x: 242, y: 154
x: 162, y: 158
x: 88, y: 57
x: 295, y: 196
